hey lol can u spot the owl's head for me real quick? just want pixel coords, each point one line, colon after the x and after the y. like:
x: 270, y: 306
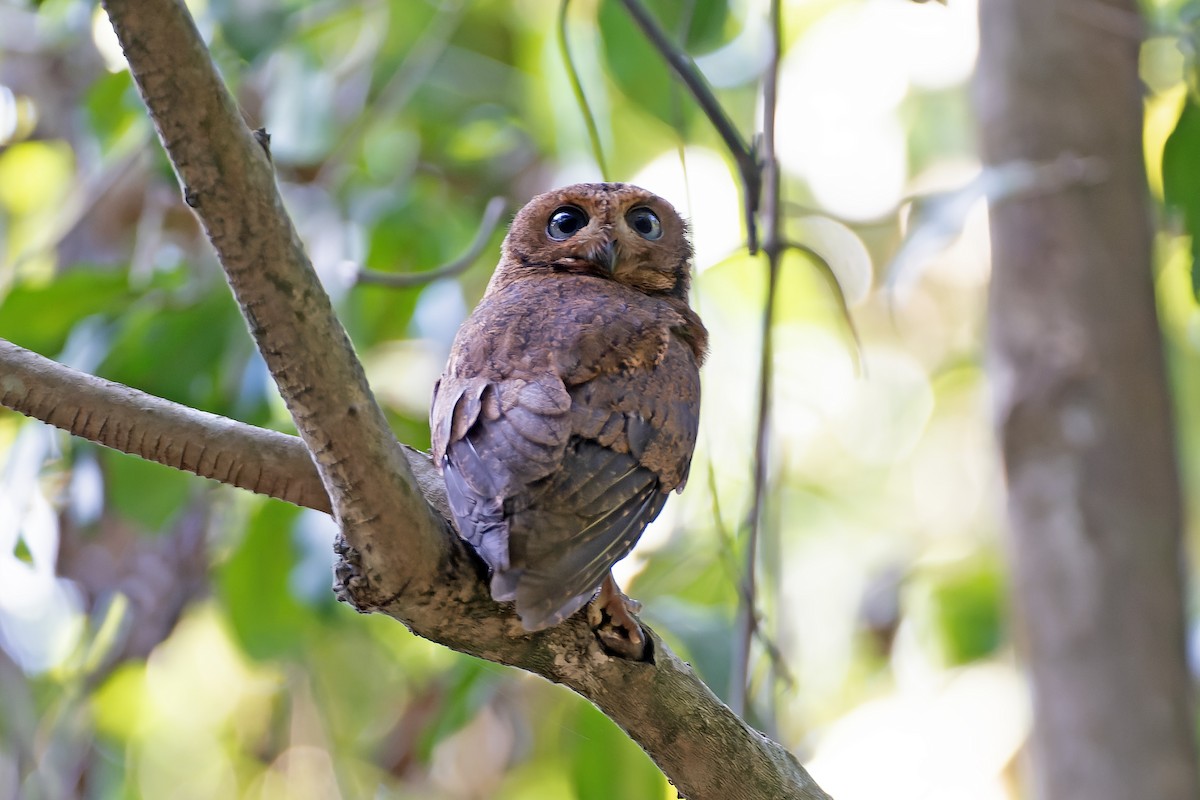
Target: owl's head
x: 613, y: 230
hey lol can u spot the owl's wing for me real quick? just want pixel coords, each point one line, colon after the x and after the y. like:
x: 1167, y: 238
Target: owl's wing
x: 492, y: 439
x: 566, y: 531
x: 553, y: 486
x: 633, y: 432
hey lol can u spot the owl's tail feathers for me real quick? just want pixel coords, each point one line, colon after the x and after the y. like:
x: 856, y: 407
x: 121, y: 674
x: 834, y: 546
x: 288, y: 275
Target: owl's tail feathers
x: 504, y: 586
x: 536, y: 613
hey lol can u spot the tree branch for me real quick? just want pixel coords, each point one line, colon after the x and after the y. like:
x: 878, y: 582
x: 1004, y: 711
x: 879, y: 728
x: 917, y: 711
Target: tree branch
x: 696, y: 740
x: 228, y: 181
x: 140, y: 424
x: 262, y: 461
x: 402, y: 558
x: 743, y: 155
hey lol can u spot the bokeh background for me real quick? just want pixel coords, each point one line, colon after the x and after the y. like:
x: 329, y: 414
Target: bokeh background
x: 163, y: 637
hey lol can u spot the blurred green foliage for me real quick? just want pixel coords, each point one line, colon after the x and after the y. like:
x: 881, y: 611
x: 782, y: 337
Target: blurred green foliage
x: 227, y: 669
x: 1181, y: 175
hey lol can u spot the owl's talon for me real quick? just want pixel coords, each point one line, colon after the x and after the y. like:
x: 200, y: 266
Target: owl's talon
x: 350, y: 584
x: 264, y: 140
x: 611, y: 617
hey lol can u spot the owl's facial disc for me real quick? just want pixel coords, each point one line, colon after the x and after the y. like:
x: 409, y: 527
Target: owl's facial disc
x: 610, y: 230
x: 598, y: 246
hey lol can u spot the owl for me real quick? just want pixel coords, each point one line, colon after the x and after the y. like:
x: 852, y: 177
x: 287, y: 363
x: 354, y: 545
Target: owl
x: 569, y: 406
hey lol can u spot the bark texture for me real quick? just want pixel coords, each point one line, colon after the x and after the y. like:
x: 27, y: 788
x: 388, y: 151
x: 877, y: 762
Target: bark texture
x: 400, y: 557
x: 1082, y: 408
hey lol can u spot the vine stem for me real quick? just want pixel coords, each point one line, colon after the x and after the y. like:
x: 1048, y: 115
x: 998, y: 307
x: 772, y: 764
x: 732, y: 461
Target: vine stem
x: 773, y: 246
x: 743, y: 154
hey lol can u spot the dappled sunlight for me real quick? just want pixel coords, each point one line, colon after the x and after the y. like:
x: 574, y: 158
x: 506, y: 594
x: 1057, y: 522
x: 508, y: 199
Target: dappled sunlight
x: 957, y: 737
x: 199, y: 677
x: 841, y: 92
x: 402, y: 373
x: 701, y: 186
x: 41, y: 614
x: 106, y: 42
x: 187, y: 709
x: 302, y: 772
x: 887, y: 415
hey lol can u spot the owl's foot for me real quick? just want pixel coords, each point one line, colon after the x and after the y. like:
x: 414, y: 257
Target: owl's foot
x: 611, y: 617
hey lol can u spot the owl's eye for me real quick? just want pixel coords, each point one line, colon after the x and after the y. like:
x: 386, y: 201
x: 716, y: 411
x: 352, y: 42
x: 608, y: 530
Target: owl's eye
x: 645, y: 222
x: 565, y: 222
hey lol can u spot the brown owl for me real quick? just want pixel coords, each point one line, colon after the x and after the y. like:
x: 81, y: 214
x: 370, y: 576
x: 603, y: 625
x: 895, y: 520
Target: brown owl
x: 569, y: 407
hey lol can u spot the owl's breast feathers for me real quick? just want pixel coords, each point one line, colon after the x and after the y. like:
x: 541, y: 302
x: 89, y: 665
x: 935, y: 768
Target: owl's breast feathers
x: 567, y: 413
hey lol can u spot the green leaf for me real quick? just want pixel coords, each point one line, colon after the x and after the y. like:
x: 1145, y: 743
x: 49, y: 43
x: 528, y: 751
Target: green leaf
x: 471, y: 686
x: 252, y: 584
x: 699, y: 633
x: 184, y: 353
x: 638, y: 69
x: 113, y: 107
x: 40, y: 318
x: 967, y: 609
x: 1181, y: 178
x: 607, y: 764
x: 251, y: 31
x: 144, y: 492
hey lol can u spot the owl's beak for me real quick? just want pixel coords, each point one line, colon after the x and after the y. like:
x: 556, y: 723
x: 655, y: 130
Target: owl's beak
x: 606, y: 256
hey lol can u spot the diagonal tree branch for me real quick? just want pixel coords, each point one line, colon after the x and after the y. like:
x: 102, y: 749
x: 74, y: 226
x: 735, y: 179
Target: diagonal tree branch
x: 228, y: 181
x: 402, y: 558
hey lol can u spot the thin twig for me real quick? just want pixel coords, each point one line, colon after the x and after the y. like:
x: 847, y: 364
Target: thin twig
x: 589, y: 119
x: 773, y: 247
x: 487, y: 226
x: 826, y: 270
x: 744, y: 155
x: 729, y: 562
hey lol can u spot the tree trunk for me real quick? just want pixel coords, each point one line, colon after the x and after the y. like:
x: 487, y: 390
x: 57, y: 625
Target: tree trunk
x: 1082, y: 411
